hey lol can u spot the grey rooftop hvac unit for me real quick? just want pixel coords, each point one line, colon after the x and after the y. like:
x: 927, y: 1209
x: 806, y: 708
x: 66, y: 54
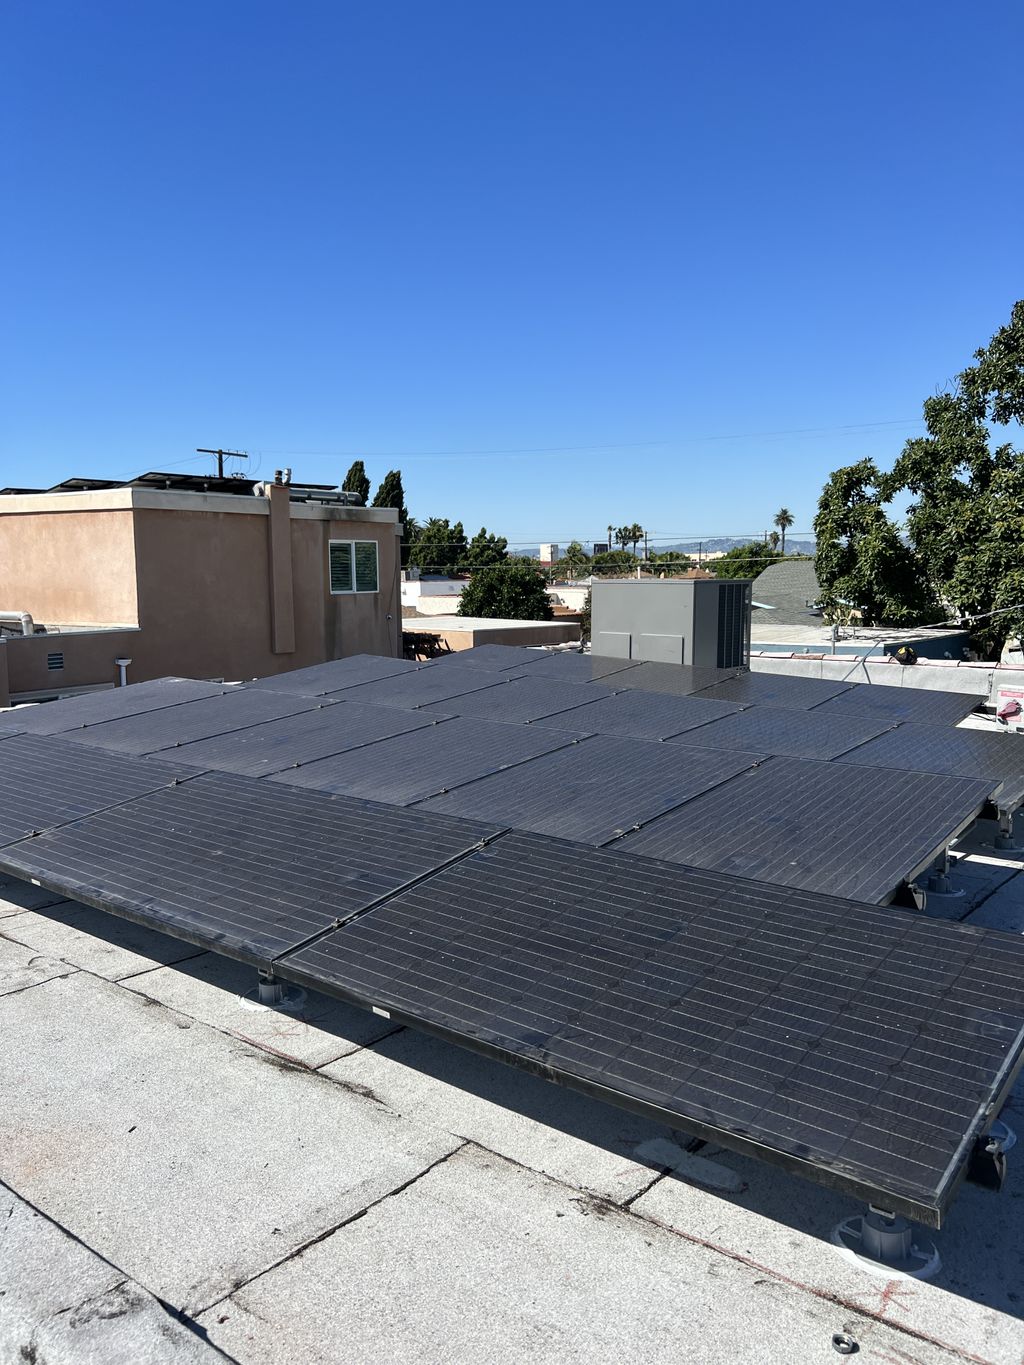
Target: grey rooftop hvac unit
x: 700, y: 621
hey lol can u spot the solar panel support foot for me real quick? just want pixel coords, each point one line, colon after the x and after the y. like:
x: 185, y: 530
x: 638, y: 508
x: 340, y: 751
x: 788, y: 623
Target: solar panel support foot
x: 271, y: 991
x: 885, y: 1242
x: 272, y: 994
x: 940, y: 883
x: 1006, y: 841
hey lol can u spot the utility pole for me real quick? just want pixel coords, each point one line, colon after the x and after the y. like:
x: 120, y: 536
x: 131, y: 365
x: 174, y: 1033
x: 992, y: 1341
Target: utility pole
x: 647, y: 553
x: 235, y: 454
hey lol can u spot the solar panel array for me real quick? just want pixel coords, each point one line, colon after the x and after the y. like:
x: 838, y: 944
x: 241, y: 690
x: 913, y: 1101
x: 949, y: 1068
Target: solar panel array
x: 381, y: 829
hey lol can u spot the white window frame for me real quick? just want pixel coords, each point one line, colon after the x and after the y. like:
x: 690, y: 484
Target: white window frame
x: 351, y: 545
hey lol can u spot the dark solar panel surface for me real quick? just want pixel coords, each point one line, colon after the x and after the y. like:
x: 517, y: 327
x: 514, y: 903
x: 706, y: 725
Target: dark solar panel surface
x: 495, y: 658
x: 646, y: 715
x: 904, y: 703
x: 677, y: 680
x: 842, y: 1041
x: 827, y: 827
x: 594, y: 789
x: 426, y: 762
x: 51, y: 718
x: 574, y: 667
x: 797, y: 734
x: 427, y: 684
x: 332, y: 728
x: 526, y: 699
x: 248, y: 868
x: 776, y: 689
x: 335, y: 674
x: 946, y: 749
x: 45, y: 781
x: 176, y: 725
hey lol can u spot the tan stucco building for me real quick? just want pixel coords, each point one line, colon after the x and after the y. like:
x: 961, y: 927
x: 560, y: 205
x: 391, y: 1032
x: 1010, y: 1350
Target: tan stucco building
x: 202, y: 584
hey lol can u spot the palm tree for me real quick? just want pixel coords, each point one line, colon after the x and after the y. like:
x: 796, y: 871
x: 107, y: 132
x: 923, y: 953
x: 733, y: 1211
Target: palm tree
x: 783, y: 520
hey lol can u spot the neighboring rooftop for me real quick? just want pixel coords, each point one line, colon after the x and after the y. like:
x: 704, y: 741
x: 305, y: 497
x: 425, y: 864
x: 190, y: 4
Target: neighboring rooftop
x: 789, y: 588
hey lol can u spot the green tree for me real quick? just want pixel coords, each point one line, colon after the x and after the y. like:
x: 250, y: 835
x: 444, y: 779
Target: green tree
x: 574, y: 562
x: 440, y: 548
x: 585, y: 620
x: 671, y: 563
x: 862, y: 562
x: 356, y: 480
x: 629, y: 535
x: 783, y: 520
x: 613, y: 563
x: 485, y: 550
x: 743, y: 561
x: 392, y: 494
x: 512, y: 591
x: 963, y: 553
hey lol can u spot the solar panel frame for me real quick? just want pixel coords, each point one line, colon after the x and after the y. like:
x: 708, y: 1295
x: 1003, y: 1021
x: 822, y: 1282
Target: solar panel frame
x: 427, y: 761
x: 800, y: 823
x: 45, y: 782
x: 336, y: 674
x: 335, y: 727
x: 922, y: 704
x: 522, y: 700
x: 494, y: 658
x: 91, y: 708
x: 428, y: 684
x: 595, y: 789
x: 790, y: 734
x: 776, y: 689
x: 678, y: 680
x: 166, y: 730
x: 863, y: 1049
x: 238, y: 865
x: 648, y: 715
x: 571, y: 666
x: 946, y: 749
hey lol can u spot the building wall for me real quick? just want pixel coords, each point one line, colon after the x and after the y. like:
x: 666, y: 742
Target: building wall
x: 69, y: 567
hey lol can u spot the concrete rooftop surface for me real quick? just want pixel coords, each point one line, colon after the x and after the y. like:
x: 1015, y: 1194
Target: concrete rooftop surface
x: 187, y: 1176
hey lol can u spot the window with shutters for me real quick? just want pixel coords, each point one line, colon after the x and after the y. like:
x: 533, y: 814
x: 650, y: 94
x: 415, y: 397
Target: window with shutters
x: 353, y: 566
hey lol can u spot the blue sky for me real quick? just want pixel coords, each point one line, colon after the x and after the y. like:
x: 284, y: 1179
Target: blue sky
x: 564, y: 262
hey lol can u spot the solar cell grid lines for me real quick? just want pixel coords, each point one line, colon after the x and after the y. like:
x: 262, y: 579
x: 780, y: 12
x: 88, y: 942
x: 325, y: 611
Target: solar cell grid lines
x: 678, y: 680
x: 571, y: 666
x: 904, y: 703
x: 947, y: 749
x: 334, y: 727
x: 776, y: 689
x: 247, y: 868
x: 795, y: 734
x: 494, y: 658
x: 427, y: 684
x: 45, y: 782
x: 647, y: 715
x: 843, y: 831
x: 593, y: 789
x: 56, y: 717
x: 528, y: 699
x: 849, y: 1043
x: 426, y: 761
x: 319, y: 679
x: 165, y: 730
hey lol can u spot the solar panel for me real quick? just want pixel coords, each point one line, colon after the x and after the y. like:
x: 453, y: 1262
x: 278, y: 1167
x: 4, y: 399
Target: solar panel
x: 278, y: 744
x: 904, y: 703
x: 776, y: 689
x: 495, y: 658
x: 858, y: 1047
x: 335, y: 674
x: 54, y: 717
x: 427, y: 684
x: 176, y: 725
x: 838, y: 830
x: 245, y: 867
x: 595, y: 788
x: 945, y: 749
x: 525, y: 699
x: 570, y: 666
x: 797, y: 734
x: 426, y: 762
x: 45, y: 781
x: 677, y: 680
x: 646, y: 715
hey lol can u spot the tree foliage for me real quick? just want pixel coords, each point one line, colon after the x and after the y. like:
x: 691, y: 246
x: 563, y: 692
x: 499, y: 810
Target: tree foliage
x: 613, y: 563
x: 485, y: 550
x: 574, y: 563
x: 963, y: 552
x: 743, y: 561
x: 783, y: 520
x: 629, y: 535
x: 440, y: 548
x: 356, y: 480
x: 513, y: 591
x: 392, y: 494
